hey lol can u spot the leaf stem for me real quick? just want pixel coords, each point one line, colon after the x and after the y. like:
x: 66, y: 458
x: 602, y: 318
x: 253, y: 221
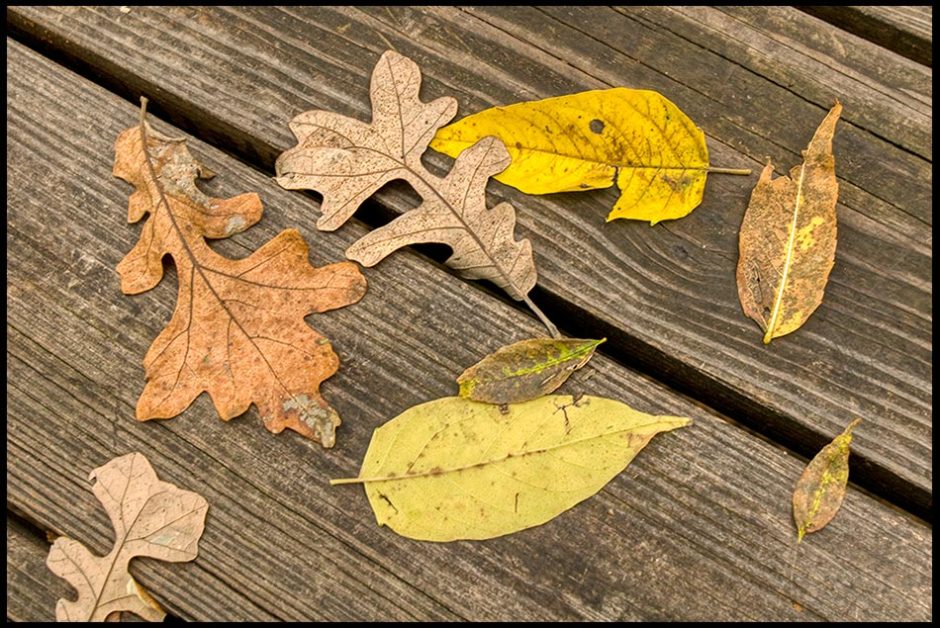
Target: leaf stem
x: 428, y: 187
x: 728, y: 170
x: 542, y: 317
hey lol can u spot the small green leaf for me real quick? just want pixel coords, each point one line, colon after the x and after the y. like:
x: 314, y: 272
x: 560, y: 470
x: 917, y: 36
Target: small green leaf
x: 819, y: 491
x: 456, y: 469
x: 525, y: 370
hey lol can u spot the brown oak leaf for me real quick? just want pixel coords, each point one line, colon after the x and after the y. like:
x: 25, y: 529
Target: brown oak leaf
x: 347, y: 161
x: 151, y: 518
x: 238, y: 331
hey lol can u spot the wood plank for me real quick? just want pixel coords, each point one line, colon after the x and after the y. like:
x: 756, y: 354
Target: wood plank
x: 664, y: 297
x: 697, y: 528
x: 905, y: 30
x: 32, y: 590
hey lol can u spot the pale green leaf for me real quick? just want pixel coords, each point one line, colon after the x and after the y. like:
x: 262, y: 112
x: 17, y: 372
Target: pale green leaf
x: 456, y: 469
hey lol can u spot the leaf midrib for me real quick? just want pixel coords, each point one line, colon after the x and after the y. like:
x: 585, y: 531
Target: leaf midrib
x: 192, y: 256
x: 609, y: 164
x: 440, y: 472
x: 788, y: 260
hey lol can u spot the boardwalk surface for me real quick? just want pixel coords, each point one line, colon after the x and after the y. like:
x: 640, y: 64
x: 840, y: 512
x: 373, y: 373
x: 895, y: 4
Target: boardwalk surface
x: 699, y: 526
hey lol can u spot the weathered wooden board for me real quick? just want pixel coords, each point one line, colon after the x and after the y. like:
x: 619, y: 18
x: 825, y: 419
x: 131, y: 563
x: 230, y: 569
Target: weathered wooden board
x: 905, y: 30
x: 665, y: 297
x: 32, y: 590
x: 697, y: 528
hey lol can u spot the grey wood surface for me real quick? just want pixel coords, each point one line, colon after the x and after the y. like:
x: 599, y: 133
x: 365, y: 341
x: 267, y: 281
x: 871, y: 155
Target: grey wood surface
x: 907, y: 30
x: 698, y: 527
x: 31, y: 588
x: 757, y: 81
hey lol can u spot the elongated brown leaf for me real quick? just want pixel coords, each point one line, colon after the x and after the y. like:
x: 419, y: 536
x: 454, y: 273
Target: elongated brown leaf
x: 819, y: 491
x: 525, y: 370
x: 238, y: 331
x: 788, y: 238
x: 151, y: 519
x: 347, y: 161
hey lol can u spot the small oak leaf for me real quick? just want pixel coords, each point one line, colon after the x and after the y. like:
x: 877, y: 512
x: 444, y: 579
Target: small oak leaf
x: 151, y: 519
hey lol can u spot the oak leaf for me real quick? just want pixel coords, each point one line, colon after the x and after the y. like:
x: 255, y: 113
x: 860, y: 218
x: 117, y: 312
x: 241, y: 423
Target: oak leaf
x: 238, y: 331
x: 525, y: 370
x: 456, y: 469
x: 634, y: 138
x: 347, y: 161
x: 787, y: 244
x: 151, y: 519
x: 819, y: 491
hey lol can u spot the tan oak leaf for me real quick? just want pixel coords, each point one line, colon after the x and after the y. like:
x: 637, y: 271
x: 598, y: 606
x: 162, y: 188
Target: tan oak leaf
x: 347, y: 161
x: 151, y: 519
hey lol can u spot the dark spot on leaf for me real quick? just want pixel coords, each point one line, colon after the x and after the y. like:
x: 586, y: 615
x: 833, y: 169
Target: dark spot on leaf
x: 583, y: 186
x: 385, y: 497
x: 597, y: 126
x: 518, y: 144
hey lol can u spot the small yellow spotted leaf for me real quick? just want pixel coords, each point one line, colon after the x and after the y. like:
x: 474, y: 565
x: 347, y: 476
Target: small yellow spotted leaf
x: 456, y: 469
x: 820, y: 489
x: 635, y: 138
x: 526, y: 369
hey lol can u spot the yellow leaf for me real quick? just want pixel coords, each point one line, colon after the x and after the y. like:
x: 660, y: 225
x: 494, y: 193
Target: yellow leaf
x: 635, y: 138
x: 456, y: 469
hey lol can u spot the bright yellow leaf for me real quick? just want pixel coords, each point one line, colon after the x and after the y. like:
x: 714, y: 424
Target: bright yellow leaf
x: 634, y: 137
x: 458, y: 469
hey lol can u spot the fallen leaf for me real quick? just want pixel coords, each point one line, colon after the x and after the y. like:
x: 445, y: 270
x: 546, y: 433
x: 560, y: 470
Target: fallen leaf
x: 820, y: 489
x: 525, y: 370
x: 151, y: 518
x: 635, y: 138
x: 347, y: 161
x: 238, y: 331
x: 456, y: 469
x: 788, y: 238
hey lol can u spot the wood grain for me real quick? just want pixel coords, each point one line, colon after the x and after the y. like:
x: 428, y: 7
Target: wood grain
x: 905, y: 30
x: 32, y: 590
x: 698, y: 527
x: 664, y: 297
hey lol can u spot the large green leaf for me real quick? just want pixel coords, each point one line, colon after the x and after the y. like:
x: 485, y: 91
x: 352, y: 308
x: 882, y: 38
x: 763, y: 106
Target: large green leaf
x: 457, y: 469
